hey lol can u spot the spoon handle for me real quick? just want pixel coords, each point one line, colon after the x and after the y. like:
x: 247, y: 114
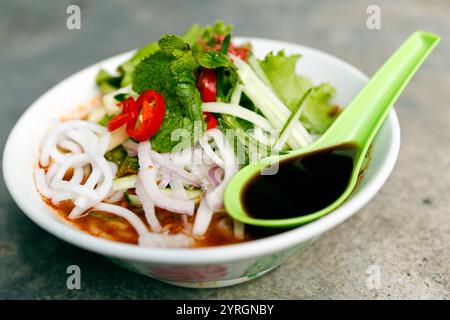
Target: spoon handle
x: 361, y: 119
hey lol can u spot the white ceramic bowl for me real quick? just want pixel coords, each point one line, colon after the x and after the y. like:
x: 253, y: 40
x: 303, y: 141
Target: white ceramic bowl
x: 205, y: 267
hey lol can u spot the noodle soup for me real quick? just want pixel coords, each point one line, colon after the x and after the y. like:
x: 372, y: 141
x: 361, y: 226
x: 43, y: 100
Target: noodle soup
x: 149, y: 163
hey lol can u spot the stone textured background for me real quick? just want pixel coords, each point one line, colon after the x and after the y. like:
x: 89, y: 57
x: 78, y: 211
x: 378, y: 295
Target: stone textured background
x: 405, y: 230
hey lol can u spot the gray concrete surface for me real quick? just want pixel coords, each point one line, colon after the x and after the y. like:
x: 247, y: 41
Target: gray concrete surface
x: 404, y: 231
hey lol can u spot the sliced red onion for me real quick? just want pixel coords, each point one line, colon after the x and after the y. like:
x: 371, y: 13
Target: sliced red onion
x: 202, y: 218
x: 116, y: 196
x: 165, y: 179
x: 180, y: 158
x: 149, y: 207
x: 227, y: 161
x: 148, y: 173
x: 209, y: 152
x: 176, y: 169
x: 215, y: 175
x: 177, y: 187
x: 131, y: 147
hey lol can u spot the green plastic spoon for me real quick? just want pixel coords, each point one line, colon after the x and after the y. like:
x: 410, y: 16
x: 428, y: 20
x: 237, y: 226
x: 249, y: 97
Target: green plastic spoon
x: 357, y: 125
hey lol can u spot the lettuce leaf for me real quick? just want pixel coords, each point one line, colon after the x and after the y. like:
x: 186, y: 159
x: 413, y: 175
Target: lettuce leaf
x: 107, y: 82
x: 280, y: 71
x: 319, y: 114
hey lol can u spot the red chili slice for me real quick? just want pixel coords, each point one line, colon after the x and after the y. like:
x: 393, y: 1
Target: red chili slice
x: 129, y: 110
x: 207, y: 85
x: 211, y: 121
x: 149, y: 108
x: 152, y: 111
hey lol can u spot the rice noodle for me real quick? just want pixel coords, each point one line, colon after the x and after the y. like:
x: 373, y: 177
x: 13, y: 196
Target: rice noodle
x: 148, y: 172
x: 51, y: 172
x: 128, y: 215
x: 41, y: 184
x: 174, y: 168
x: 59, y: 132
x: 162, y: 240
x: 79, y: 146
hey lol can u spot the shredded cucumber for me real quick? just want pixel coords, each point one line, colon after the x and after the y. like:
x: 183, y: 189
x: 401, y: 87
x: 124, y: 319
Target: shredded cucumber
x: 124, y: 183
x: 191, y: 194
x: 293, y: 118
x: 134, y: 200
x: 275, y: 111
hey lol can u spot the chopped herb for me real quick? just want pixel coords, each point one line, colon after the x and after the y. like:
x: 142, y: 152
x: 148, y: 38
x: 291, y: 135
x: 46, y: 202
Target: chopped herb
x: 117, y: 155
x: 226, y: 44
x: 107, y: 82
x: 170, y: 71
x: 104, y: 121
x: 127, y: 197
x: 121, y: 96
x: 130, y: 165
x: 97, y: 214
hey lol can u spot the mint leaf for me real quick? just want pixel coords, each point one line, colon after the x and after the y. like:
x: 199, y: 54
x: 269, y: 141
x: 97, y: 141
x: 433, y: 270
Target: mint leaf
x: 121, y: 96
x: 215, y: 59
x: 170, y: 71
x: 127, y: 68
x: 171, y: 42
x: 166, y: 139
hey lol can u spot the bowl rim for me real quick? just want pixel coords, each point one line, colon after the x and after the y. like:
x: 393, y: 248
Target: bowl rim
x: 209, y: 255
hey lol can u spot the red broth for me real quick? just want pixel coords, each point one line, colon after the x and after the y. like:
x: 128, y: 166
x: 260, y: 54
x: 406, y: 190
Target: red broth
x: 108, y: 226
